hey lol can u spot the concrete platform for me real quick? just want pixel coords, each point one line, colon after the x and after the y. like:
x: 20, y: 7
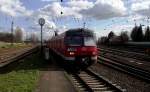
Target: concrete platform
x: 54, y: 80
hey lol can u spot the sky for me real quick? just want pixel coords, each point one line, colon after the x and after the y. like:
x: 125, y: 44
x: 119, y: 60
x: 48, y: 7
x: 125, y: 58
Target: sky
x: 102, y: 16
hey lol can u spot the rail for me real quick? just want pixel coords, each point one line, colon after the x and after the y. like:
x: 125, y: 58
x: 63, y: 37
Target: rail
x: 139, y: 73
x: 18, y: 56
x: 88, y: 81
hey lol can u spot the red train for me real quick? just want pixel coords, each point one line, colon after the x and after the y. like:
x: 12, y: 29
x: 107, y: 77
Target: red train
x: 76, y: 46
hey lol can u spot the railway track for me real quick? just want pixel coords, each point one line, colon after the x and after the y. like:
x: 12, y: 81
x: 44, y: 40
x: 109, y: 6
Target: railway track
x: 88, y: 81
x: 17, y: 56
x: 130, y: 49
x: 129, y: 61
x: 134, y: 71
x: 134, y: 55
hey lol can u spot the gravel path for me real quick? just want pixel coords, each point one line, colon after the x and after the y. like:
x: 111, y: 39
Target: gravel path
x: 124, y: 80
x: 53, y: 79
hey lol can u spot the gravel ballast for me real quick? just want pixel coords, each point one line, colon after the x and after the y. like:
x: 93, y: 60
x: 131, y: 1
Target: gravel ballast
x: 126, y: 81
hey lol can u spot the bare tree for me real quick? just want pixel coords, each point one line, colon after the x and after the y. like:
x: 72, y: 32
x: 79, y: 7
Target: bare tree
x: 18, y: 35
x: 110, y: 35
x: 124, y: 36
x: 33, y: 38
x: 102, y: 40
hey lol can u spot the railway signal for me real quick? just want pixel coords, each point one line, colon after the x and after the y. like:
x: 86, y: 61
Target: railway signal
x: 41, y: 23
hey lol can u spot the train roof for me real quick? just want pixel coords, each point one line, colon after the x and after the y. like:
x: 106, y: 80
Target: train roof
x: 75, y: 32
x: 79, y: 31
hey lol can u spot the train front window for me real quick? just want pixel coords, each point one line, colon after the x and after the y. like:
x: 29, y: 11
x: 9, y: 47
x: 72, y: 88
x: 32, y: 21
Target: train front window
x: 89, y: 41
x: 74, y: 41
x: 78, y: 41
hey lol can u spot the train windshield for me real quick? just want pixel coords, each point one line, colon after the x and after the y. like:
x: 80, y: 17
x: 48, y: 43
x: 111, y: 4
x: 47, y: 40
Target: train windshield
x: 74, y: 41
x: 89, y: 41
x: 80, y: 37
x: 80, y: 41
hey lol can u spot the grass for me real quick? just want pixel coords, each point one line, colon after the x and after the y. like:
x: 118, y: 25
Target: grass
x: 8, y: 45
x: 22, y: 76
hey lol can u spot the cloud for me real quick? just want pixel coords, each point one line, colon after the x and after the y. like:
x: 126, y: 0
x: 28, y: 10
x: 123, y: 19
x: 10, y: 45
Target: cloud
x: 101, y: 9
x: 117, y: 29
x: 80, y: 4
x: 55, y: 9
x: 34, y: 18
x: 52, y: 12
x: 142, y: 8
x: 50, y: 0
x: 34, y: 27
x: 136, y: 18
x: 104, y: 9
x: 13, y: 8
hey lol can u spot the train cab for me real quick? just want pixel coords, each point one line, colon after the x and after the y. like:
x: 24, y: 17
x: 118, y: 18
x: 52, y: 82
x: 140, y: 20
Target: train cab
x: 80, y: 46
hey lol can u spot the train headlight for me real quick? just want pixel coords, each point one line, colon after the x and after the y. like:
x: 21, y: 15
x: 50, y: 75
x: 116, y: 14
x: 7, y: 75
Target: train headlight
x: 94, y: 53
x: 71, y: 53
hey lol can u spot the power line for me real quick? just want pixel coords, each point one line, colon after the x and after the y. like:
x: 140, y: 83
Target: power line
x: 12, y: 39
